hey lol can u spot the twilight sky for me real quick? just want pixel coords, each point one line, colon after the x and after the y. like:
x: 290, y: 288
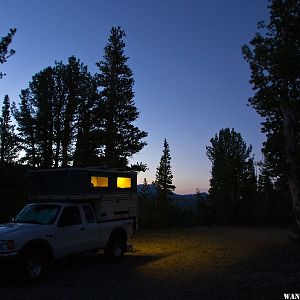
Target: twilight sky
x: 190, y: 77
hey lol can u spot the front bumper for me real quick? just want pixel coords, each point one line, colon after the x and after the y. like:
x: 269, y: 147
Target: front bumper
x: 7, y: 255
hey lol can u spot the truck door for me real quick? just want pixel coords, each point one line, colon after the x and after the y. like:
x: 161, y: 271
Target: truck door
x: 70, y: 232
x: 91, y: 228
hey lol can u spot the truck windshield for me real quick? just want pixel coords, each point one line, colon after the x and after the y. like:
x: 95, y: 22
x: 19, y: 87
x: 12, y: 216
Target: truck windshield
x: 38, y: 214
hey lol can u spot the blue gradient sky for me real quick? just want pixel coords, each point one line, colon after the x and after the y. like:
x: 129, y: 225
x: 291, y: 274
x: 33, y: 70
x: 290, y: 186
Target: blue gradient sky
x: 190, y: 77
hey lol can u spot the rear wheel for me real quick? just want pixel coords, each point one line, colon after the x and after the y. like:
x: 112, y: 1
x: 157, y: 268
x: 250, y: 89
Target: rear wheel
x: 115, y: 247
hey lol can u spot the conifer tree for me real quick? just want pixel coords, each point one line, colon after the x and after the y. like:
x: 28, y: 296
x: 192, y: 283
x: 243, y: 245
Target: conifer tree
x: 41, y: 90
x: 145, y: 190
x: 164, y: 184
x: 88, y: 137
x: 233, y: 182
x: 5, y: 53
x: 274, y: 59
x: 55, y: 117
x: 121, y: 138
x: 146, y: 206
x: 26, y: 127
x: 8, y: 138
x: 164, y: 176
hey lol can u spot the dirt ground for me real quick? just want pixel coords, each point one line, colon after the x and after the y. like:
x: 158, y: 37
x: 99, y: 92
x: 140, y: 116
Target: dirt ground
x: 192, y: 263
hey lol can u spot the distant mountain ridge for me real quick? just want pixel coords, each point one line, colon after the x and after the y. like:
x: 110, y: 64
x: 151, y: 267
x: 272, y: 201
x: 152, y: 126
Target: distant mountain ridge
x: 187, y: 201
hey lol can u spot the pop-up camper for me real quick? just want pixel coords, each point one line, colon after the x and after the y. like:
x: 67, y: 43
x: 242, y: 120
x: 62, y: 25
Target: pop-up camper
x: 112, y: 193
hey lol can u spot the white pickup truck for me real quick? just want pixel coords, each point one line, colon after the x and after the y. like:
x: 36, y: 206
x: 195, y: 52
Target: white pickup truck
x: 46, y: 230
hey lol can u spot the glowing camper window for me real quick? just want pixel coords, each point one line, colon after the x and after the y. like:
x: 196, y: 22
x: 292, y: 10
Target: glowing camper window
x: 99, y: 182
x: 124, y: 183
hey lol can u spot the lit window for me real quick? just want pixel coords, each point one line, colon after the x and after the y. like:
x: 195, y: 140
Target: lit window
x: 124, y: 182
x: 99, y: 181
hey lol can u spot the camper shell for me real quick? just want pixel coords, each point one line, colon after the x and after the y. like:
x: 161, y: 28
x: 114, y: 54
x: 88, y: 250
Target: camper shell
x: 111, y: 192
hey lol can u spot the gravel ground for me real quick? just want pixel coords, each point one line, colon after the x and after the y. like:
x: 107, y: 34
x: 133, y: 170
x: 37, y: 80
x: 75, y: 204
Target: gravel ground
x: 193, y: 263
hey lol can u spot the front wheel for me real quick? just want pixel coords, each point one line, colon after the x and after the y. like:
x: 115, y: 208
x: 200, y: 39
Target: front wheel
x: 32, y: 265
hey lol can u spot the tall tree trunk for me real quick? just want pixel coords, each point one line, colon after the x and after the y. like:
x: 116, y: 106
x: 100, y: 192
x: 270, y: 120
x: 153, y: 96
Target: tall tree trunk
x: 110, y: 132
x: 79, y: 158
x: 292, y: 161
x: 2, y: 148
x: 65, y: 147
x: 56, y: 154
x: 66, y: 139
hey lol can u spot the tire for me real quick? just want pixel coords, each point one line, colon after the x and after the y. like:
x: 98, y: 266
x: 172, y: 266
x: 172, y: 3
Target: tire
x: 32, y: 265
x: 115, y: 247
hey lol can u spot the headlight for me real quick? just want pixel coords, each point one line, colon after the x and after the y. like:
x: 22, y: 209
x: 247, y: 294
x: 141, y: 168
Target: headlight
x: 7, y: 245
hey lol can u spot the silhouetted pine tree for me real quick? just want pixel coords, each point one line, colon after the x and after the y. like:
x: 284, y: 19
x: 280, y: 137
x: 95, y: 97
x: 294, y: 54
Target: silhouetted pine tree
x: 121, y: 138
x: 273, y: 207
x: 55, y: 117
x: 42, y: 95
x: 88, y: 137
x: 274, y: 59
x: 145, y: 190
x: 26, y: 127
x: 4, y: 43
x: 146, y: 206
x: 164, y: 183
x: 8, y: 138
x: 164, y: 177
x: 233, y: 184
